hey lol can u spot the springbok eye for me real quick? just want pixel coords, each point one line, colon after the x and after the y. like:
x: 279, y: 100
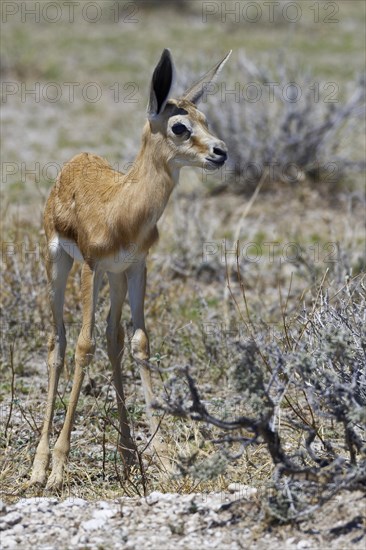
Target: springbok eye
x: 179, y: 129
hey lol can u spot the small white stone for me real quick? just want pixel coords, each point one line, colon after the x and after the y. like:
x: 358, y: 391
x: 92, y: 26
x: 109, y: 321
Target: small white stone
x: 104, y: 514
x: 103, y: 504
x: 92, y: 524
x: 12, y: 518
x: 303, y: 544
x: 9, y: 543
x: 153, y: 497
x: 74, y: 541
x: 18, y: 529
x: 73, y: 501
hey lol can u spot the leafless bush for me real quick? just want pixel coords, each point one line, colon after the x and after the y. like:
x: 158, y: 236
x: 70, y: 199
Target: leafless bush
x: 287, y: 122
x: 306, y: 385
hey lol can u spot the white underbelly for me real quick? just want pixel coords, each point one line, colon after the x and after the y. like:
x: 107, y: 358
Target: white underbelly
x: 71, y: 248
x: 121, y: 260
x: 114, y: 263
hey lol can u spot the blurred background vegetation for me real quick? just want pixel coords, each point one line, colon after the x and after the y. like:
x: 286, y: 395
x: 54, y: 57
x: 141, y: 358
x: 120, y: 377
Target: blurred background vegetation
x: 118, y: 52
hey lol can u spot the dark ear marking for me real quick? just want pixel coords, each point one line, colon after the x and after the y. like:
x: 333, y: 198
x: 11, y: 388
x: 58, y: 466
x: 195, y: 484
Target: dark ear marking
x: 161, y: 84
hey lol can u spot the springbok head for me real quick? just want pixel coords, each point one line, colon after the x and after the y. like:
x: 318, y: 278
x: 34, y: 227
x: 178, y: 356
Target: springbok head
x: 178, y: 124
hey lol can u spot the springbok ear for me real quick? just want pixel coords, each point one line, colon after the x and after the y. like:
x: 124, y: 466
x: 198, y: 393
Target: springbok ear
x: 161, y: 84
x: 196, y: 91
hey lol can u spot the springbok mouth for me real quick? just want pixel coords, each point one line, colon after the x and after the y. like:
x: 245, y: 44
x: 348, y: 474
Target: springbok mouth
x: 211, y: 163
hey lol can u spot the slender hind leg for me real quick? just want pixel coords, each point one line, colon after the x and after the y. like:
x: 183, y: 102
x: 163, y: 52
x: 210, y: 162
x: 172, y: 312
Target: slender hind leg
x: 136, y: 275
x: 58, y: 265
x: 90, y: 284
x: 115, y: 342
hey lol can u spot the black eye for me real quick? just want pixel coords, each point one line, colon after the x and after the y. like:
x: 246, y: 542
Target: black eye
x: 179, y: 129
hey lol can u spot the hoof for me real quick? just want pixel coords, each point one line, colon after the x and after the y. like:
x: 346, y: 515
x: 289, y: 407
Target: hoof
x: 38, y: 478
x: 54, y: 482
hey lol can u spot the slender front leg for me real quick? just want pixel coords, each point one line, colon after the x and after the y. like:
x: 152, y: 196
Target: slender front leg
x: 58, y: 266
x: 136, y: 276
x: 90, y: 284
x: 115, y: 342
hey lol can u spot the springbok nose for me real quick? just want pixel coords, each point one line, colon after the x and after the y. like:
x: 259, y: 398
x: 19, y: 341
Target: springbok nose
x: 220, y: 153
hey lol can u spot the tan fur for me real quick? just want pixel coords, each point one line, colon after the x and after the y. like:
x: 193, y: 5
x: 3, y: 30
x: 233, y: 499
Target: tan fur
x: 103, y: 211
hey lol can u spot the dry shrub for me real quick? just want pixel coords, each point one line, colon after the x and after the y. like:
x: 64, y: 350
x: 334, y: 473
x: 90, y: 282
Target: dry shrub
x: 302, y: 393
x: 286, y: 124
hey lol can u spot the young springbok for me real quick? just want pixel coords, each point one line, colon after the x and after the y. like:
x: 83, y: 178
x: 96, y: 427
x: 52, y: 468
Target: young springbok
x: 107, y: 220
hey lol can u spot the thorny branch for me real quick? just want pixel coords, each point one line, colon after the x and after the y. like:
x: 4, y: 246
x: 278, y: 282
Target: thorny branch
x: 326, y: 368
